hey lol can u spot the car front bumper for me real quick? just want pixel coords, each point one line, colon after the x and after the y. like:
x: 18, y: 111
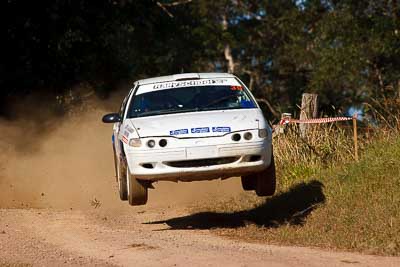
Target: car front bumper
x: 200, y: 162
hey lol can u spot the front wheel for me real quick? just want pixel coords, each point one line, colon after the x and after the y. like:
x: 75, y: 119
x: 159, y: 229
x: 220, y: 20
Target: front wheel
x: 248, y: 182
x: 266, y: 180
x: 137, y: 190
x: 122, y: 182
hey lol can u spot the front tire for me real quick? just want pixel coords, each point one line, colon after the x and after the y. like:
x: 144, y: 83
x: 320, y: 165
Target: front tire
x: 122, y: 183
x: 248, y: 182
x: 266, y: 180
x: 137, y: 190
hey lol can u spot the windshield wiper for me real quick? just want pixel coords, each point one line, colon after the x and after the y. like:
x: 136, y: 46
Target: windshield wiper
x: 166, y: 111
x: 220, y: 100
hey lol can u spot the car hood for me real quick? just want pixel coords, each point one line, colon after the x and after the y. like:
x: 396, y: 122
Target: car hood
x: 198, y: 124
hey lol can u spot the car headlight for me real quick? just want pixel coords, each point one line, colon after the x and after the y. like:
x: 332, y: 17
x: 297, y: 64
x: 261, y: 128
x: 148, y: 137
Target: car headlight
x: 135, y: 142
x: 236, y: 137
x: 262, y: 133
x: 162, y: 143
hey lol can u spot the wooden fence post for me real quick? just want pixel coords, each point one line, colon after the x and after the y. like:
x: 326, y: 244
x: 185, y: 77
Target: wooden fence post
x: 309, y: 110
x: 355, y: 138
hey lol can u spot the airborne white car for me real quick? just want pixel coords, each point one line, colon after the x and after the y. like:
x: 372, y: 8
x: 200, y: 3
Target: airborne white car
x: 190, y: 127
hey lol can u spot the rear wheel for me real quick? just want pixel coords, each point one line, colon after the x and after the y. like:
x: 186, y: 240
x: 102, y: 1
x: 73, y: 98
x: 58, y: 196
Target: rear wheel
x: 137, y: 190
x: 266, y: 180
x: 248, y: 182
x: 115, y: 163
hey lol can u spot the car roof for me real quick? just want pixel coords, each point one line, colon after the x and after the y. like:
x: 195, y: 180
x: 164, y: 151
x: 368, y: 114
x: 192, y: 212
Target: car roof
x: 185, y: 76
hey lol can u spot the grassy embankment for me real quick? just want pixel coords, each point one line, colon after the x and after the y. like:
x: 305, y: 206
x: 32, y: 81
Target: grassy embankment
x: 324, y: 199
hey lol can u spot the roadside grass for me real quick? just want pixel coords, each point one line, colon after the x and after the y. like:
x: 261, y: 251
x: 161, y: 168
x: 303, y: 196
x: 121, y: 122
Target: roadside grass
x: 324, y: 199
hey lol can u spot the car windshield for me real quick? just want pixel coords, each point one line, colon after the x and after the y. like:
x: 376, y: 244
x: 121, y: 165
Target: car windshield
x: 189, y: 99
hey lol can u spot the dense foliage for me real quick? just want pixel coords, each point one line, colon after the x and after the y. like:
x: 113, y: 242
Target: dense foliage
x: 347, y: 51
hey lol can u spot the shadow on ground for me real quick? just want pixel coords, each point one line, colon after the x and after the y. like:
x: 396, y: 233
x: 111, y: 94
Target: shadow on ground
x: 290, y: 207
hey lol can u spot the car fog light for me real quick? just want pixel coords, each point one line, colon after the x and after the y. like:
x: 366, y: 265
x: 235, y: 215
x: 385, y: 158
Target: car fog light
x: 151, y: 143
x: 247, y: 136
x: 262, y: 133
x: 135, y: 142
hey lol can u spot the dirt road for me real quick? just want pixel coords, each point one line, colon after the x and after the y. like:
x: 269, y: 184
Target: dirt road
x: 50, y: 238
x: 59, y: 206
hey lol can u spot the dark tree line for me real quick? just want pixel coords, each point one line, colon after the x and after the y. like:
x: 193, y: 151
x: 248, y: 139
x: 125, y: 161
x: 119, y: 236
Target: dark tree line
x: 347, y: 51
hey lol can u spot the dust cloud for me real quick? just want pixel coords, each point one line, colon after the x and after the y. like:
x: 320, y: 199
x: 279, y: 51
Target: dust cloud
x: 66, y: 162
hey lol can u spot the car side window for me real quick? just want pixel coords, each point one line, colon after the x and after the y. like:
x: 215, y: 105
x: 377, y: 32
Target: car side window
x: 122, y: 108
x: 124, y: 104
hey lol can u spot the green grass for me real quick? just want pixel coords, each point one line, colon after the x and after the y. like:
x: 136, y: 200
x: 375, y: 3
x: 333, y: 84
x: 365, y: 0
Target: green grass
x: 362, y: 209
x: 336, y: 203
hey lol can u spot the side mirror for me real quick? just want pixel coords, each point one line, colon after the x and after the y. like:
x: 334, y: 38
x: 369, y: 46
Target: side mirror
x: 111, y: 118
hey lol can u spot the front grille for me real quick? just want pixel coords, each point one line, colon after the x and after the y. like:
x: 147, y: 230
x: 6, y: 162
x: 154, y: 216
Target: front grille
x: 201, y: 162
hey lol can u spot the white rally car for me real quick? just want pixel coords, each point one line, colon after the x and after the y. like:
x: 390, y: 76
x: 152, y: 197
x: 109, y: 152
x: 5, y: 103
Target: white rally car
x: 190, y: 127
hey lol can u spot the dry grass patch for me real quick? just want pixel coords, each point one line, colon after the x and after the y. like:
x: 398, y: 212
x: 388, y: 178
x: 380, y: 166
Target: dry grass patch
x: 329, y: 202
